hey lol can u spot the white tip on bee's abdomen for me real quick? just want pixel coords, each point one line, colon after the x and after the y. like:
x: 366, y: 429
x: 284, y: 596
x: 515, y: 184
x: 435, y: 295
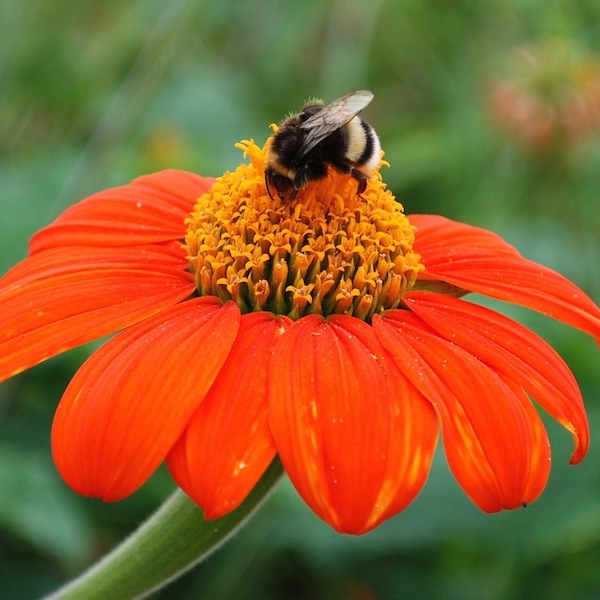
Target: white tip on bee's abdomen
x: 374, y: 151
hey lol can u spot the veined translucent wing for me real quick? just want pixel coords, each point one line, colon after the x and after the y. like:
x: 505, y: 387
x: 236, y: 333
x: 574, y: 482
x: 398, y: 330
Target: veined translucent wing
x: 333, y: 117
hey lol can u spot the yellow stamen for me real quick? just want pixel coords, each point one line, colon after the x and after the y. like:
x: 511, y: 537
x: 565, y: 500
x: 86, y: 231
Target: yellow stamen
x: 328, y: 251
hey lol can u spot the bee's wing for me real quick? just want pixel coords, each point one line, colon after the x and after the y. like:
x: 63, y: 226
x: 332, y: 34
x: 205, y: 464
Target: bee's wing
x: 333, y: 117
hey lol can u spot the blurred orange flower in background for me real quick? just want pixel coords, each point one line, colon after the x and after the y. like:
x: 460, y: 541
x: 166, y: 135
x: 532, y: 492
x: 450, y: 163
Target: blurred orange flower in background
x: 548, y: 96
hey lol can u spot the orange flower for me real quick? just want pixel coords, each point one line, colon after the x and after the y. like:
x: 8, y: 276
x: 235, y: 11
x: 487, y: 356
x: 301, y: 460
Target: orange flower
x: 549, y: 96
x: 329, y: 331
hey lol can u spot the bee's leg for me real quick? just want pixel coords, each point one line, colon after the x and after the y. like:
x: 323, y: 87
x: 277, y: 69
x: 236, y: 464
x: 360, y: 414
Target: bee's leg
x: 268, y: 182
x: 361, y: 178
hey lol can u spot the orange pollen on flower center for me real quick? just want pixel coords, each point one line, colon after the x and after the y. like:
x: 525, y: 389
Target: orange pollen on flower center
x: 330, y: 250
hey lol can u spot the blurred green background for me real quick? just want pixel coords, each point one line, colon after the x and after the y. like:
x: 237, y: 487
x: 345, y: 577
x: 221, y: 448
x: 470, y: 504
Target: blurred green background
x: 488, y: 111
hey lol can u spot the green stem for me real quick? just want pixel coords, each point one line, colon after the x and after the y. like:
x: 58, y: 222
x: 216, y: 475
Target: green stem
x: 170, y: 542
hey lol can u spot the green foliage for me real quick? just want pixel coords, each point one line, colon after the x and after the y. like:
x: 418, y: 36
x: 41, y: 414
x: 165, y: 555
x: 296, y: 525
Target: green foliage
x: 95, y: 93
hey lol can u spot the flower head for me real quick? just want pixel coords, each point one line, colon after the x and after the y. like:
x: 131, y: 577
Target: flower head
x: 330, y: 331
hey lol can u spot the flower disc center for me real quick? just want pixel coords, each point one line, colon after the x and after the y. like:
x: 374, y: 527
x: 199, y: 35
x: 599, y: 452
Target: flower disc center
x: 329, y: 251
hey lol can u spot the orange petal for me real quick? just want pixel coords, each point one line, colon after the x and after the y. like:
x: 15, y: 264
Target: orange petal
x: 527, y: 283
x: 62, y: 298
x: 54, y: 262
x: 151, y: 209
x: 227, y: 445
x: 494, y: 440
x: 509, y: 348
x: 354, y: 436
x: 132, y: 399
x: 479, y: 261
x: 537, y: 470
x: 438, y: 238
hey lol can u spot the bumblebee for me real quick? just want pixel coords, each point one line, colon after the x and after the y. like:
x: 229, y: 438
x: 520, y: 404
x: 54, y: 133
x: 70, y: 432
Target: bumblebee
x: 319, y: 137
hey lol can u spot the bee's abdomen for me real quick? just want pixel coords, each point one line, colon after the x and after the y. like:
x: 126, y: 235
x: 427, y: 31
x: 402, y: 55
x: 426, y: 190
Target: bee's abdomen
x: 363, y: 148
